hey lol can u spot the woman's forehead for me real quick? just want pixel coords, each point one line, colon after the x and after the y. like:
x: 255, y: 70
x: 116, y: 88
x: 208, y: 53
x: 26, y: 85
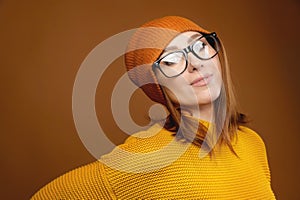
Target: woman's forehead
x: 184, y: 39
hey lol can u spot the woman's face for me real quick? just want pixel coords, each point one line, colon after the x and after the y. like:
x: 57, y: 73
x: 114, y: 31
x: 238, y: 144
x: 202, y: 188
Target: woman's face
x: 188, y: 89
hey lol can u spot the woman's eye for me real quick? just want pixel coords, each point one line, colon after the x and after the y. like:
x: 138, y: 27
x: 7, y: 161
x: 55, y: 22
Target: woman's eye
x: 199, y: 46
x: 170, y: 60
x: 168, y: 63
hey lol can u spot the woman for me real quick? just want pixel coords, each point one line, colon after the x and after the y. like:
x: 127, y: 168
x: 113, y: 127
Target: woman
x: 202, y: 151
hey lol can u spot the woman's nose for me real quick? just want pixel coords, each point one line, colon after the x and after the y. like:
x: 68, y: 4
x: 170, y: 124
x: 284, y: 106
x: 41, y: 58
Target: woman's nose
x: 194, y: 63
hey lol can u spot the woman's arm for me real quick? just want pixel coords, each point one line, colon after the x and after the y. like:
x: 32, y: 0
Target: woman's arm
x: 87, y: 182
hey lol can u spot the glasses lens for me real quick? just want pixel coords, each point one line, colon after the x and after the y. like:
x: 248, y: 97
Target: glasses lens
x: 206, y: 47
x: 173, y: 64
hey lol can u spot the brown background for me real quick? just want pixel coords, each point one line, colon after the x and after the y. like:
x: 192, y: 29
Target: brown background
x: 43, y: 44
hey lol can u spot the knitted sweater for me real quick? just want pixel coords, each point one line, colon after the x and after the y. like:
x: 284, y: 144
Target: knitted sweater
x: 153, y: 165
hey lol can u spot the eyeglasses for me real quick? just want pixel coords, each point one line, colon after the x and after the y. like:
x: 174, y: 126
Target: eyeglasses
x: 175, y: 63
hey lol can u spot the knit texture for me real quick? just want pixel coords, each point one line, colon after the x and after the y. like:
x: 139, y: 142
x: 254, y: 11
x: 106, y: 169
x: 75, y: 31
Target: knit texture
x: 145, y: 47
x: 188, y: 177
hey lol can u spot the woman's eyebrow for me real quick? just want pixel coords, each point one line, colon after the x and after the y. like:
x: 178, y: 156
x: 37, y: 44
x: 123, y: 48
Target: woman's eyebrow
x: 170, y: 48
x: 193, y: 37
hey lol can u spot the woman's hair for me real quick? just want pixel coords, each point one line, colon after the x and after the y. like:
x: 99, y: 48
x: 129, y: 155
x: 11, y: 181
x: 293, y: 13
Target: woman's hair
x: 227, y: 119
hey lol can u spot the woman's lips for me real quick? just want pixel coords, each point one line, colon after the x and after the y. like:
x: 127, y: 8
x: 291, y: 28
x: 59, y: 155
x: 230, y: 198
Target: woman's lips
x: 202, y: 81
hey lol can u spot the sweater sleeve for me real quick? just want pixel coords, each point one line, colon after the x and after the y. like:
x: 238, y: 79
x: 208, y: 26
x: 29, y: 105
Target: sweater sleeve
x: 264, y: 161
x: 87, y: 182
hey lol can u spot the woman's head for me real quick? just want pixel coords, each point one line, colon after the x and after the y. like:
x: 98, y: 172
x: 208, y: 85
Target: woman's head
x: 146, y: 46
x: 159, y: 37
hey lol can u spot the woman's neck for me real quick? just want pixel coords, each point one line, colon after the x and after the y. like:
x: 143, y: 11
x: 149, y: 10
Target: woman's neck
x: 203, y: 112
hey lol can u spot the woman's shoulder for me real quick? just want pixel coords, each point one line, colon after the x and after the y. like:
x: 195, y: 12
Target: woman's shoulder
x: 249, y: 132
x: 152, y: 137
x: 251, y: 138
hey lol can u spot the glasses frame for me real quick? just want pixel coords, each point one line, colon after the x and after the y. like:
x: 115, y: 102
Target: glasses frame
x: 185, y: 52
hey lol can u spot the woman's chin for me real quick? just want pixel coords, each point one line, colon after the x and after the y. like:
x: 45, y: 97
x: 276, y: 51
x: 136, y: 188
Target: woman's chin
x: 206, y: 99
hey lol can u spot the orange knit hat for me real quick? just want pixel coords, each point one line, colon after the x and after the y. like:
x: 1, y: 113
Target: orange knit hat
x: 145, y: 47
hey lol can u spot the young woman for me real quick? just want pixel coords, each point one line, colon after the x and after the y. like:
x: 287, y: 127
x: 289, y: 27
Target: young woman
x: 203, y: 150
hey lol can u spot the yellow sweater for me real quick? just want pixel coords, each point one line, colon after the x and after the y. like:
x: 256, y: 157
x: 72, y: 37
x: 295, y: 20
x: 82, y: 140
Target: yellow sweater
x: 152, y: 165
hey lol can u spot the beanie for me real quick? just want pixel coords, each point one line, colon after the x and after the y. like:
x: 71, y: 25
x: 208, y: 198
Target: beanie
x: 145, y: 47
